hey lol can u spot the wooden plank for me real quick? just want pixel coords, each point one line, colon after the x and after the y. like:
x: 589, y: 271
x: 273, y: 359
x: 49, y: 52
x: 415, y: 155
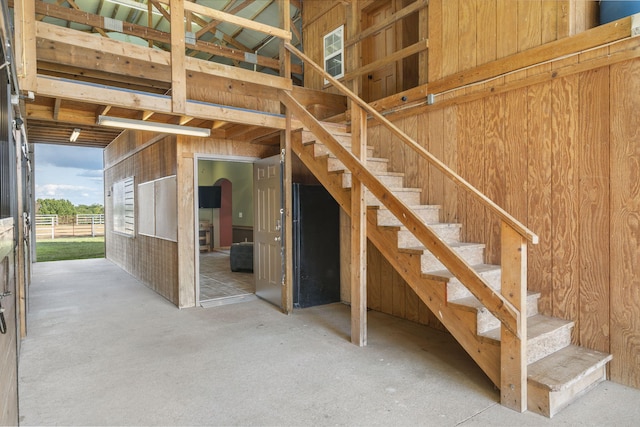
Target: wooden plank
x: 564, y: 201
x: 467, y: 27
x: 539, y: 191
x: 287, y: 194
x: 516, y: 154
x: 392, y: 19
x: 494, y: 171
x: 472, y: 142
x: 513, y: 348
x: 232, y: 19
x: 529, y: 19
x: 435, y: 180
x: 488, y: 31
x: 358, y: 232
x: 594, y: 194
x: 449, y: 211
x: 25, y: 44
x: 450, y: 39
x: 507, y: 18
x: 625, y: 240
x: 178, y: 80
x: 549, y: 20
x: 395, y: 56
x: 374, y: 282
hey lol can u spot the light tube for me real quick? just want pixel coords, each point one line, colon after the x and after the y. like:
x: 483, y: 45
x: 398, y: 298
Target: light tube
x: 118, y: 122
x: 74, y: 135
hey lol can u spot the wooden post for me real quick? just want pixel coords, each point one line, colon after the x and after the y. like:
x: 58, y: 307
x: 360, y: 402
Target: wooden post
x: 285, y: 149
x: 358, y: 232
x: 358, y: 255
x: 25, y: 49
x: 178, y: 75
x: 513, y: 350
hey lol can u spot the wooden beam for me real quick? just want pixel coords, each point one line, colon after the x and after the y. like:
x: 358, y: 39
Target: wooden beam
x: 395, y: 56
x: 358, y: 232
x: 413, y: 7
x: 160, y: 104
x: 25, y: 44
x: 149, y: 33
x: 178, y: 75
x: 236, y: 20
x: 56, y: 108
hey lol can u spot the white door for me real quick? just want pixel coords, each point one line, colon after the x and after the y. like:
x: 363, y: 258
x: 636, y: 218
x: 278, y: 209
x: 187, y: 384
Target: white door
x: 267, y: 184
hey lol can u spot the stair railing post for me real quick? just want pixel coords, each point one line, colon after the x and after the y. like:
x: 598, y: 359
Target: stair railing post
x: 513, y: 347
x: 358, y: 231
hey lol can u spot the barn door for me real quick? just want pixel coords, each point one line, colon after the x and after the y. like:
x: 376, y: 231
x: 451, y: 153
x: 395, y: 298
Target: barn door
x: 381, y: 82
x: 267, y: 176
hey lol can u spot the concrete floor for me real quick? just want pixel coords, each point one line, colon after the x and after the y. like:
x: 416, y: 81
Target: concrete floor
x: 105, y: 350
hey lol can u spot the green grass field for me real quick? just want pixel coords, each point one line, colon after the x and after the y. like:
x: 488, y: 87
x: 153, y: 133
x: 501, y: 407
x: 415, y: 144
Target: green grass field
x: 70, y: 248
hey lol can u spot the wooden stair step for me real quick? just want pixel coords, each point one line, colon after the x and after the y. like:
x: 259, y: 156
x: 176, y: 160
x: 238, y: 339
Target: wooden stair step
x: 485, y: 320
x: 456, y: 290
x: 428, y: 213
x: 449, y: 232
x: 374, y: 164
x: 319, y: 149
x: 545, y: 335
x: 472, y: 253
x: 389, y: 179
x: 409, y: 196
x: 558, y: 379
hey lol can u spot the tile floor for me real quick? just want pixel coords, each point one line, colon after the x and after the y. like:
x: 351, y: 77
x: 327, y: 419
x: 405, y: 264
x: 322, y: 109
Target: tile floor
x: 218, y: 281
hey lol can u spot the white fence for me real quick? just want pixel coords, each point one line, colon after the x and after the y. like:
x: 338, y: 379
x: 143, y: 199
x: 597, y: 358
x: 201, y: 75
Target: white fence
x: 51, y: 226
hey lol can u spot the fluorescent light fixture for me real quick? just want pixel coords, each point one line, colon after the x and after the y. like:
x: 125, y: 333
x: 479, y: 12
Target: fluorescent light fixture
x: 74, y: 135
x: 118, y: 122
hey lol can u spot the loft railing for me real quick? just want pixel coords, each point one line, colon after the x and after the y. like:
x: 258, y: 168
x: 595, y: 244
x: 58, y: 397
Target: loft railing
x: 509, y: 305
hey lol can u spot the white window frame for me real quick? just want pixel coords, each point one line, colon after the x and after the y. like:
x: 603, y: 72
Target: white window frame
x: 339, y: 52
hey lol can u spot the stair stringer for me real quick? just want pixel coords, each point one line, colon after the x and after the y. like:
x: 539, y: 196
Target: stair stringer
x: 461, y: 324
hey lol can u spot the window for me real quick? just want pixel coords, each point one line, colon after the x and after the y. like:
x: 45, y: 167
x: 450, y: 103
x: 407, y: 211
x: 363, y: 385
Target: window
x: 333, y: 53
x: 123, y: 208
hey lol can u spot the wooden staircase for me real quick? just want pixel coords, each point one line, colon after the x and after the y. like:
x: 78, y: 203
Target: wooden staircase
x: 557, y: 371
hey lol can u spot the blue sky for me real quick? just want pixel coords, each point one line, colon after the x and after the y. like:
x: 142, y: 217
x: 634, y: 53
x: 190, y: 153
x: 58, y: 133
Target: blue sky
x: 72, y: 173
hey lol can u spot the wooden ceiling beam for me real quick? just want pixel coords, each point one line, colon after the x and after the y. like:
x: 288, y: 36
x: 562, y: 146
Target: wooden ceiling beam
x: 147, y: 33
x: 138, y: 101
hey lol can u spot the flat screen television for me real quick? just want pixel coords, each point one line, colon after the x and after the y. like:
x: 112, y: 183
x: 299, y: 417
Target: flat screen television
x: 209, y: 197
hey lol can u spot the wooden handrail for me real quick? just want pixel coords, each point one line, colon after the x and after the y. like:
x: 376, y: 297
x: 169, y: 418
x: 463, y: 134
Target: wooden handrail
x: 494, y: 302
x: 488, y: 203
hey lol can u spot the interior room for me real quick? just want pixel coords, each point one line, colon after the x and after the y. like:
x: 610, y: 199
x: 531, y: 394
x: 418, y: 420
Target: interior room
x: 225, y: 217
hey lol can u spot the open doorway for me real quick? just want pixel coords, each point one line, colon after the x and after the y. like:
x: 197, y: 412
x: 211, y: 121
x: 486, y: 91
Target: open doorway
x: 224, y: 216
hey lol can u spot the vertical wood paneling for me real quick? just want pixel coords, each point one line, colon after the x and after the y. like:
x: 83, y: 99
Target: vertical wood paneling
x: 486, y: 11
x: 529, y: 19
x: 516, y: 154
x: 374, y: 282
x: 507, y: 18
x: 435, y: 33
x: 564, y: 200
x: 494, y: 169
x: 539, y: 196
x: 450, y: 41
x: 467, y: 36
x: 593, y: 234
x: 435, y: 122
x: 549, y: 21
x: 449, y: 211
x: 625, y: 222
x: 386, y: 284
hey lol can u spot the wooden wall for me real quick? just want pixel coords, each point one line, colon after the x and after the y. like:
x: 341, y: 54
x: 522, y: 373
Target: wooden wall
x: 465, y: 33
x: 145, y: 156
x: 187, y: 149
x: 561, y: 154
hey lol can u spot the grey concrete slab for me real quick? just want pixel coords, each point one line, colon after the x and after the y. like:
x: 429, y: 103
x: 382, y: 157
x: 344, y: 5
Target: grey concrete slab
x: 105, y: 350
